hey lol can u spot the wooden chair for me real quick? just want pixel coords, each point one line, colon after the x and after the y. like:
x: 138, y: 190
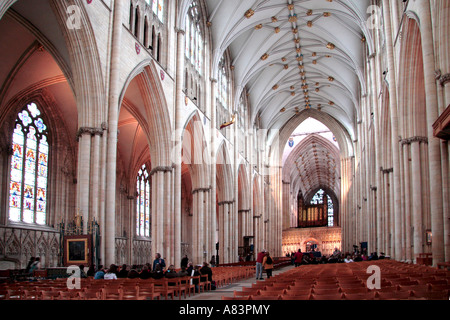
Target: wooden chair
x: 245, y: 292
x: 147, y: 291
x: 130, y: 291
x: 271, y: 297
x: 356, y: 290
x: 428, y: 295
x: 319, y: 291
x: 14, y: 294
x: 161, y: 286
x: 31, y: 294
x: 48, y: 295
x: 186, y: 281
x: 178, y: 287
x: 272, y: 292
x: 88, y: 294
x: 296, y: 297
x: 236, y: 298
x: 111, y: 294
x: 296, y: 291
x: 206, y: 282
x: 336, y: 296
x: 398, y: 295
x: 359, y: 296
x: 68, y: 295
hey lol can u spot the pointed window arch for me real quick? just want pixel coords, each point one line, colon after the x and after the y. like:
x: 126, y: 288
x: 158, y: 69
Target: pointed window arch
x: 143, y: 203
x: 29, y: 168
x: 194, y: 52
x: 319, y: 198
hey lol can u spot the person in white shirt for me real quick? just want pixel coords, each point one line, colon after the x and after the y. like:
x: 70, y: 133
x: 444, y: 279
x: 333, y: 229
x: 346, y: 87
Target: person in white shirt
x: 111, y: 274
x: 348, y: 259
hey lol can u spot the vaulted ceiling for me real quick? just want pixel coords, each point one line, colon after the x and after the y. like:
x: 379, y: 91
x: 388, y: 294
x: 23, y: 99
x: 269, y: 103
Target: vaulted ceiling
x: 294, y: 55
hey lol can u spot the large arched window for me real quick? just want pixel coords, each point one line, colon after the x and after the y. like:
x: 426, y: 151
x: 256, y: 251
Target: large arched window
x: 194, y: 37
x: 194, y: 54
x: 143, y: 204
x: 29, y: 168
x: 222, y: 84
x: 319, y: 199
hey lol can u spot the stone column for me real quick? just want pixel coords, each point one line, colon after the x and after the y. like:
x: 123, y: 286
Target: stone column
x: 434, y: 152
x: 168, y: 230
x: 83, y: 180
x: 221, y: 232
x: 407, y: 206
x: 113, y: 117
x: 159, y: 214
x: 396, y: 188
x: 416, y: 200
x: 179, y: 99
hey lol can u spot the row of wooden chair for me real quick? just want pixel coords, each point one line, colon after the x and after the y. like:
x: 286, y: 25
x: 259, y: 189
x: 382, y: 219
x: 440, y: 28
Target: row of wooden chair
x: 350, y: 281
x: 105, y: 289
x: 408, y: 295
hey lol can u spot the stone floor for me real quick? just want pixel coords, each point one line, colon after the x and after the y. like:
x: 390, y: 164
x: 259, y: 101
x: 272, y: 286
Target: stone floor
x: 228, y: 291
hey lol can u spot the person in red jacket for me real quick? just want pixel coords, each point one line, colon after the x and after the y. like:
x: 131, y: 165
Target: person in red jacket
x: 298, y: 257
x: 259, y: 267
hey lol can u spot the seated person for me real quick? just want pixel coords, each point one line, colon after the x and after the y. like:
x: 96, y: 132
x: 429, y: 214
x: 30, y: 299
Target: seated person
x: 183, y: 272
x: 158, y: 273
x: 123, y: 273
x: 145, y: 273
x: 170, y: 272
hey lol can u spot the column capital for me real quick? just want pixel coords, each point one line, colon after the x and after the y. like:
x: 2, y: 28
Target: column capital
x: 201, y: 190
x: 179, y: 31
x: 414, y: 139
x: 160, y: 168
x: 226, y: 202
x: 389, y: 170
x: 444, y: 79
x: 89, y: 130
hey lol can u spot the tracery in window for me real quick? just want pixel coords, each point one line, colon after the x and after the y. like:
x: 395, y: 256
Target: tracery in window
x: 194, y: 53
x: 143, y: 203
x: 318, y: 199
x: 29, y: 168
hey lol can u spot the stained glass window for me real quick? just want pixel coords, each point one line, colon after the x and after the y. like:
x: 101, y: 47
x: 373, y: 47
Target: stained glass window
x: 318, y: 199
x: 143, y: 203
x: 222, y: 85
x: 158, y: 9
x: 194, y: 38
x: 29, y: 168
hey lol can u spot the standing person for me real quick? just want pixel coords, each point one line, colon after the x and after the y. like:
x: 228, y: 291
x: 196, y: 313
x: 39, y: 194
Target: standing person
x: 268, y: 264
x: 298, y: 257
x: 160, y: 261
x: 259, y: 261
x: 206, y: 270
x: 184, y: 261
x: 30, y: 263
x: 213, y: 261
x: 36, y: 265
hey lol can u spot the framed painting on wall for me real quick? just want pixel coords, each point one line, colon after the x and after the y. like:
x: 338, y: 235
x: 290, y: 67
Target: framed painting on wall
x: 77, y: 250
